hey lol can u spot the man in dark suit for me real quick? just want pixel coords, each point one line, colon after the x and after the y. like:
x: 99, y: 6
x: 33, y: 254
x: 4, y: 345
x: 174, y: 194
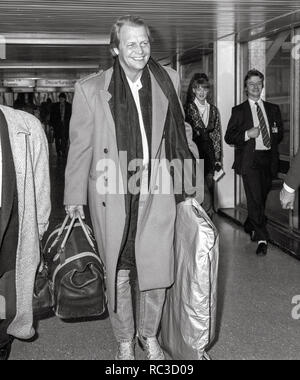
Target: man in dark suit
x: 291, y: 184
x: 255, y: 129
x: 60, y: 121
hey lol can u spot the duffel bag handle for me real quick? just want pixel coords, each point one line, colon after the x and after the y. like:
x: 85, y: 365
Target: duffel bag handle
x: 60, y: 232
x: 63, y: 226
x: 70, y: 228
x: 84, y: 228
x: 86, y: 232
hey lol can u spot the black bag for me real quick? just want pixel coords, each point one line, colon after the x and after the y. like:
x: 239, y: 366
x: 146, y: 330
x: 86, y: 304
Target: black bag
x: 76, y: 271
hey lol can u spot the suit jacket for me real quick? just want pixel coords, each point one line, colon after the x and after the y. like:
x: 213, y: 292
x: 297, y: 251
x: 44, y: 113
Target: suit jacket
x: 241, y: 121
x: 93, y: 149
x: 61, y: 130
x: 293, y: 176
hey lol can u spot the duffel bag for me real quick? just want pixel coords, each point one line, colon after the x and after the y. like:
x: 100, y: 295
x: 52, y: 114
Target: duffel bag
x: 76, y: 271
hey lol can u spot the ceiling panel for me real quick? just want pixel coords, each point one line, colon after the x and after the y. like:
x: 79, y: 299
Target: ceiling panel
x: 176, y: 25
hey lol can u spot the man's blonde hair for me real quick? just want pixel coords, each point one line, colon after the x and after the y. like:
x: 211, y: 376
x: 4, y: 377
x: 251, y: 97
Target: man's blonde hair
x: 125, y: 20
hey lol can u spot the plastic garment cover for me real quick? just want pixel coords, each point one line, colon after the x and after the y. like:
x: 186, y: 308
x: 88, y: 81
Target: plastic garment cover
x: 189, y: 317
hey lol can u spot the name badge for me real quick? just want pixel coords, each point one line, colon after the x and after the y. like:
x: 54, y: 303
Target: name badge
x: 275, y: 128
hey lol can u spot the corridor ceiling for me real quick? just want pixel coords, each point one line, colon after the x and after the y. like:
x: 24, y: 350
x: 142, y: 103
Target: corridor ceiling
x: 70, y: 33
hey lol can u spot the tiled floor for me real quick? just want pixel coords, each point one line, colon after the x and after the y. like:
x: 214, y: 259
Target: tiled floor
x: 255, y: 300
x: 255, y: 306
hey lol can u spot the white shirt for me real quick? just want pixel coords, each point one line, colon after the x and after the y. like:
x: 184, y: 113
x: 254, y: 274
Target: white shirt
x: 135, y: 88
x: 259, y: 141
x: 204, y: 110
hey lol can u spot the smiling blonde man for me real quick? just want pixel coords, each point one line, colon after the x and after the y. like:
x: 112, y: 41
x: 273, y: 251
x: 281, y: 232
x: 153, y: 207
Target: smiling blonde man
x: 132, y: 108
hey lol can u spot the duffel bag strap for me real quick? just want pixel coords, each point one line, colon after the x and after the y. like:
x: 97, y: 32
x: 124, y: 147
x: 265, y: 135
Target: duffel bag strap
x: 61, y: 250
x: 84, y: 228
x: 87, y: 234
x: 63, y: 226
x: 60, y: 232
x: 70, y: 227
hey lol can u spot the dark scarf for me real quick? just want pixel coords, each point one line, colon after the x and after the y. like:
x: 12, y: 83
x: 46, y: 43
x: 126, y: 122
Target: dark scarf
x: 176, y: 143
x: 129, y: 138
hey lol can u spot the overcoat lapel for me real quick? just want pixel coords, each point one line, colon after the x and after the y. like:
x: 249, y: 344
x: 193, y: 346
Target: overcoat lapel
x: 159, y: 114
x: 105, y: 97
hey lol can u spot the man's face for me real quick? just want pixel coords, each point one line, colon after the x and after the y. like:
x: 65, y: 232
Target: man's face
x: 62, y: 100
x: 134, y: 50
x: 255, y: 87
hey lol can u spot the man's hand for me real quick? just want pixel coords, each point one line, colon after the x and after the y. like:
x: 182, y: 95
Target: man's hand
x: 75, y: 211
x: 287, y: 199
x: 253, y: 133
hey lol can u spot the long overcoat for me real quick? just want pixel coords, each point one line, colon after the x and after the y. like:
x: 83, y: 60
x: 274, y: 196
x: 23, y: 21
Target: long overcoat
x: 93, y: 140
x: 31, y: 160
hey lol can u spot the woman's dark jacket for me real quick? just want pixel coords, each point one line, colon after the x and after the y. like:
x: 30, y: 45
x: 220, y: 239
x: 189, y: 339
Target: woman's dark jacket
x: 208, y: 139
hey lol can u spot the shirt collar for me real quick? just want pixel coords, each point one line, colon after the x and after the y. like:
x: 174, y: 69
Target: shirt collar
x: 135, y: 85
x: 252, y: 102
x: 198, y: 104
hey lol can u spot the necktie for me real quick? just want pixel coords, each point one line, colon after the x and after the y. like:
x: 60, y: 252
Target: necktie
x: 263, y: 127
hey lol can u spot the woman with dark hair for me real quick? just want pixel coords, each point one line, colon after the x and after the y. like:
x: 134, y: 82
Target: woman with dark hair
x: 204, y: 118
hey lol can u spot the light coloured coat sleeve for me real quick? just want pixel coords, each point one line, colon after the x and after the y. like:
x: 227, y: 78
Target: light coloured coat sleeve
x: 41, y: 175
x: 81, y: 151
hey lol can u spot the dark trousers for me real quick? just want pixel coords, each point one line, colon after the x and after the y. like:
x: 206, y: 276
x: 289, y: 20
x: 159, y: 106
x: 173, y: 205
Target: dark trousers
x: 61, y: 144
x: 258, y: 183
